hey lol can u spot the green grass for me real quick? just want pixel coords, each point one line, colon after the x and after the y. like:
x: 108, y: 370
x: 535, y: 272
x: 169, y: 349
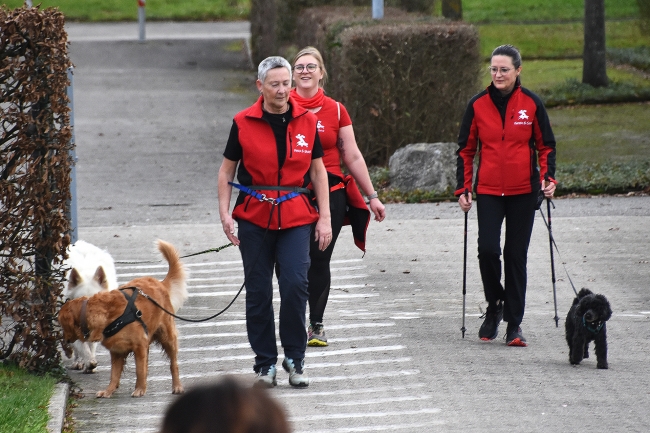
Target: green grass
x: 476, y: 11
x: 602, y: 133
x: 23, y: 400
x: 127, y: 10
x: 557, y: 40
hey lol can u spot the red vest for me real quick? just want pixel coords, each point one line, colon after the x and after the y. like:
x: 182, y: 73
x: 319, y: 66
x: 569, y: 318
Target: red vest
x: 260, y: 158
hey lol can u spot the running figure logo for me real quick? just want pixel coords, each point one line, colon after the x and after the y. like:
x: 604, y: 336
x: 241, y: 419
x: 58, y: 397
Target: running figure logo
x: 320, y: 127
x: 523, y: 115
x: 301, y: 141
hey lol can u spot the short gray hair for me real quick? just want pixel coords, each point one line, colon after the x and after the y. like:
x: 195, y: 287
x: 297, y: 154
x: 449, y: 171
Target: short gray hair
x: 269, y: 63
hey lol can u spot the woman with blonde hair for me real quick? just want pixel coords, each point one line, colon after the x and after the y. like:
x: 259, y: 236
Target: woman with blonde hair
x: 346, y: 203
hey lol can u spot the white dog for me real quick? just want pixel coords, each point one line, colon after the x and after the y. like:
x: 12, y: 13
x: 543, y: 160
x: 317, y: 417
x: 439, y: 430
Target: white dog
x: 91, y: 270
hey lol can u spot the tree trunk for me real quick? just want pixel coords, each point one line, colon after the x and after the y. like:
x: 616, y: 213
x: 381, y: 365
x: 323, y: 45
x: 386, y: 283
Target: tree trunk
x: 452, y: 9
x: 594, y: 67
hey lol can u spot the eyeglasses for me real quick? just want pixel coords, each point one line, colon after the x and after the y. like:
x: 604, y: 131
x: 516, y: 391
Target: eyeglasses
x: 311, y: 67
x: 494, y: 70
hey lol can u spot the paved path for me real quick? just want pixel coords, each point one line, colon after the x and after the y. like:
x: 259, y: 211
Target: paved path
x: 148, y: 154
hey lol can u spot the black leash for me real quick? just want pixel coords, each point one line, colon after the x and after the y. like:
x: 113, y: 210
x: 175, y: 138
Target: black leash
x: 141, y: 262
x: 186, y: 319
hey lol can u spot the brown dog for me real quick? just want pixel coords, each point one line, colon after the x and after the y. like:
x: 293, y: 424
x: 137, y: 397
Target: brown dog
x: 93, y: 319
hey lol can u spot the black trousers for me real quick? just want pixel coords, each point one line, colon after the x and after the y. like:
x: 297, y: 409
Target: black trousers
x: 519, y: 214
x: 319, y: 272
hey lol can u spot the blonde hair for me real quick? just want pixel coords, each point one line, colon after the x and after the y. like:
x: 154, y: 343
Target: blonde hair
x: 311, y: 51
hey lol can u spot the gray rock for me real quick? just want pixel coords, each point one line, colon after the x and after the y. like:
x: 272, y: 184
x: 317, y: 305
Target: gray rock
x: 426, y: 166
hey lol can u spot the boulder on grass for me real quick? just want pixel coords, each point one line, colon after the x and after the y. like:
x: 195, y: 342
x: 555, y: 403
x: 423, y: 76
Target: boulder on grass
x: 425, y: 166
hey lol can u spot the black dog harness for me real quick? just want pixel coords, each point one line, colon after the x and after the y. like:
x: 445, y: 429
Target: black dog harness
x: 130, y: 315
x: 590, y: 328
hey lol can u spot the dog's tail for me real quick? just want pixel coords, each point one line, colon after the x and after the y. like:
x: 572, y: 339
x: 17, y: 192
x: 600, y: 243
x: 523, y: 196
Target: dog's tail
x: 176, y: 276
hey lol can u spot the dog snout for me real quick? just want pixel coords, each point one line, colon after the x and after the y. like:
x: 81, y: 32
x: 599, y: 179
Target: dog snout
x: 590, y: 316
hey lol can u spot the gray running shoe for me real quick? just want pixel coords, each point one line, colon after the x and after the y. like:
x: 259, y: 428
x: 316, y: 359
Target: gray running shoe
x: 266, y: 377
x: 295, y: 368
x: 514, y: 337
x: 490, y: 327
x: 316, y: 335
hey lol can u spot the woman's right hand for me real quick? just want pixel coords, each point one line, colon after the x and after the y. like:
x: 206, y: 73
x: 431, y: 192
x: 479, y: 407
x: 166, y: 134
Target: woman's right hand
x: 228, y: 225
x: 465, y: 202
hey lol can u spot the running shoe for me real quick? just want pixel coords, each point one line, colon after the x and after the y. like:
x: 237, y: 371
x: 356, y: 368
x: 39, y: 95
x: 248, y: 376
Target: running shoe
x: 266, y: 377
x: 514, y: 337
x: 316, y: 335
x: 490, y: 327
x: 295, y: 368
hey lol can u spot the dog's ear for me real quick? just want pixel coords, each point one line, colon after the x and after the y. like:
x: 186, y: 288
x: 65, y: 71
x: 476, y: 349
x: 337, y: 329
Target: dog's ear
x: 606, y: 313
x: 583, y: 305
x: 67, y: 320
x: 100, y: 278
x: 75, y: 279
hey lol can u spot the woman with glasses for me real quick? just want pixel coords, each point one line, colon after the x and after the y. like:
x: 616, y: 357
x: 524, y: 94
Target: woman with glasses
x: 346, y: 203
x: 508, y: 127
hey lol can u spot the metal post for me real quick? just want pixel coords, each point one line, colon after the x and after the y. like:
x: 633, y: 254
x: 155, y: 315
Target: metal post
x: 377, y: 9
x: 72, y: 206
x: 141, y: 19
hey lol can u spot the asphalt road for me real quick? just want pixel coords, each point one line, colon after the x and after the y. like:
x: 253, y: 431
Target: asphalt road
x: 151, y: 123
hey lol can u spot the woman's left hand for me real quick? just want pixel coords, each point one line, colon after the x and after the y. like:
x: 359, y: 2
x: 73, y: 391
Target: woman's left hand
x: 549, y: 189
x: 378, y: 208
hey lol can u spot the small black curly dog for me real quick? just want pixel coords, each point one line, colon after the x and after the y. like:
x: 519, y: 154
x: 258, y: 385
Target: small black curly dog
x: 586, y: 322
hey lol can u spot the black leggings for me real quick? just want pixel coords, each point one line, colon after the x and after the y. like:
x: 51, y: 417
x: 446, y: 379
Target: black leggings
x: 519, y: 213
x: 319, y: 271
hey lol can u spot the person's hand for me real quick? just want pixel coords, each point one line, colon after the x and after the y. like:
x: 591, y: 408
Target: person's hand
x: 323, y: 233
x: 548, y: 188
x: 465, y: 202
x: 378, y: 208
x: 228, y: 225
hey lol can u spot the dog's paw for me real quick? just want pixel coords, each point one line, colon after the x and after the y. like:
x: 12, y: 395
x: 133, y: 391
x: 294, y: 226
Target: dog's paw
x: 77, y: 366
x: 602, y: 365
x: 178, y: 390
x: 104, y: 394
x: 138, y: 392
x: 90, y: 367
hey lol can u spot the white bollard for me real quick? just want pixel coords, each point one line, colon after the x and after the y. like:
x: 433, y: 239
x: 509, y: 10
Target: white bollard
x: 377, y: 9
x: 141, y: 19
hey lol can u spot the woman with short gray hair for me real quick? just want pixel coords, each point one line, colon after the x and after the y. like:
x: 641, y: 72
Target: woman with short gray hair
x: 275, y: 150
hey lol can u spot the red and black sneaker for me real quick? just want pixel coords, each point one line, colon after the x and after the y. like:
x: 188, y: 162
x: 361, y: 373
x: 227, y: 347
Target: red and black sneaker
x: 514, y: 337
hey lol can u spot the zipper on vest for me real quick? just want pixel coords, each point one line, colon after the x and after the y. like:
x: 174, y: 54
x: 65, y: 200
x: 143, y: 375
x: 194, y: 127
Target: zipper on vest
x: 290, y: 145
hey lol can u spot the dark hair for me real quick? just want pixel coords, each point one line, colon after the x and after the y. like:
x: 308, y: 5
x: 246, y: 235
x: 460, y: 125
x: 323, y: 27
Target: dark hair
x: 225, y: 407
x: 510, y: 51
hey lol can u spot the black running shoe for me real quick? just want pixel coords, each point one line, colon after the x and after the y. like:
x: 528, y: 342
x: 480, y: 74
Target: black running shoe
x: 514, y: 337
x: 490, y: 327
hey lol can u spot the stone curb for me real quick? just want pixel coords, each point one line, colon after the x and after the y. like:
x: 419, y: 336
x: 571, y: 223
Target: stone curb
x: 57, y: 406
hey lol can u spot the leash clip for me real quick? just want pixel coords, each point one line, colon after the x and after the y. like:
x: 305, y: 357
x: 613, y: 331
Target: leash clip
x: 268, y: 200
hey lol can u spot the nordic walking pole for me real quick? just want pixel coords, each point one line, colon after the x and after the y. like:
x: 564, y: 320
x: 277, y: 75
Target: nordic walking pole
x: 550, y: 242
x: 464, y: 268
